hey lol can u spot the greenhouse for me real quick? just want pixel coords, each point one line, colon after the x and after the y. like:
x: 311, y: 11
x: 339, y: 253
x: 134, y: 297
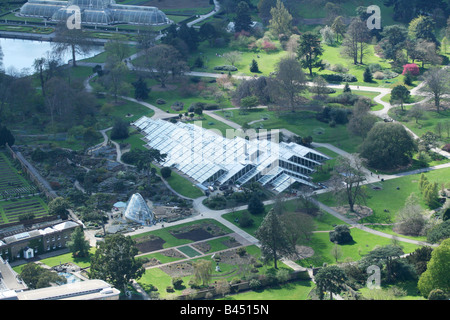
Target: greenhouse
x: 211, y: 159
x: 94, y: 12
x: 138, y: 211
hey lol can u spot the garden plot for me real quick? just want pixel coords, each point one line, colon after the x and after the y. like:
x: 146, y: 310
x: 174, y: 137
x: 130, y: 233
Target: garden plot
x: 12, y: 210
x: 12, y: 185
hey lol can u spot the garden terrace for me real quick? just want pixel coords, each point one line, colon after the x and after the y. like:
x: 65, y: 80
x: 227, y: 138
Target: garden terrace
x: 11, y: 211
x: 12, y: 185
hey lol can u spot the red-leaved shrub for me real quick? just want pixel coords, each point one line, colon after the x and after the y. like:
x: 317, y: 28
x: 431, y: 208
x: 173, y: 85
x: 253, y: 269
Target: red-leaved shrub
x: 412, y: 68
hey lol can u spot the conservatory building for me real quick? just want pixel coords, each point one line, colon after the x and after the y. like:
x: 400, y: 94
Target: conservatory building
x: 94, y: 12
x: 209, y: 158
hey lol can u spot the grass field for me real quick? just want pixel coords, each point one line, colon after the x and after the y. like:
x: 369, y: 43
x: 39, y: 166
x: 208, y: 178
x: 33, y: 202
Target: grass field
x: 302, y: 123
x: 388, y: 197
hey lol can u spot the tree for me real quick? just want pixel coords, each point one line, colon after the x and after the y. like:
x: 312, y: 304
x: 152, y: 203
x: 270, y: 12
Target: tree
x: 417, y: 112
x: 438, y: 269
x: 437, y: 83
x: 394, y: 38
x: 72, y: 40
x: 410, y: 220
x: 264, y: 7
x: 383, y: 257
x: 207, y: 32
x: 309, y: 51
x: 281, y: 20
x: 289, y: 81
x: 164, y: 60
x: 356, y: 39
x: 331, y: 279
x: 367, y: 75
x: 114, y: 261
x: 114, y: 80
x: 78, y: 245
x: 338, y: 27
x: 6, y: 137
x: 341, y: 234
x: 336, y: 252
x: 254, y: 67
x: 422, y: 27
x: 120, y: 130
x: 58, y: 206
x: 388, y: 145
x: 361, y: 121
x: 141, y: 90
x: 117, y: 49
x: 299, y: 226
x: 399, y: 94
x: 166, y: 172
x: 350, y: 177
x: 37, y: 277
x: 243, y: 19
x: 255, y: 205
x: 272, y: 236
x: 232, y: 57
x: 202, y: 271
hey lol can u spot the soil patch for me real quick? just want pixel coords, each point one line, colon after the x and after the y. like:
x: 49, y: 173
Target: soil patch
x: 172, y: 253
x: 194, y: 235
x: 150, y: 244
x: 198, y: 232
x: 181, y: 269
x: 360, y: 212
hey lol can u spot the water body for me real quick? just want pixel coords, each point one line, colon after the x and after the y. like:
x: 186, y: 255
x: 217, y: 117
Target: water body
x: 19, y: 55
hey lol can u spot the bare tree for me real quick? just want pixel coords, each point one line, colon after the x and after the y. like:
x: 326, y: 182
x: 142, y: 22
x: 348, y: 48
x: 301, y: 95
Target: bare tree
x: 356, y: 40
x: 288, y: 82
x: 350, y: 175
x: 232, y: 57
x: 437, y: 83
x: 72, y: 40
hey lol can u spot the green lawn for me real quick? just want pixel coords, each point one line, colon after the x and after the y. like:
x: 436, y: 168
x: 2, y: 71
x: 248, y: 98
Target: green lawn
x: 302, y: 123
x: 297, y: 290
x: 213, y: 57
x: 363, y: 243
x: 388, y: 197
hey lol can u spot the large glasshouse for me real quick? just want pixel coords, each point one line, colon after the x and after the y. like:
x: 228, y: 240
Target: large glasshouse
x: 211, y: 159
x: 94, y: 12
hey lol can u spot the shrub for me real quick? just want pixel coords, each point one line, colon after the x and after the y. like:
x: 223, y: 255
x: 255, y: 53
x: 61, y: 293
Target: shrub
x: 437, y: 294
x: 255, y: 284
x: 225, y: 68
x: 378, y: 75
x: 411, y: 68
x: 177, y: 283
x: 446, y: 147
x: 268, y: 46
x: 341, y: 234
x: 170, y: 289
x: 367, y: 75
x: 160, y: 101
x: 166, y: 172
x: 339, y: 77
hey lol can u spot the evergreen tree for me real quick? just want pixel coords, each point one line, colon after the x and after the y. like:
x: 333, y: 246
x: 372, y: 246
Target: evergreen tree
x: 78, y: 245
x: 243, y: 20
x: 6, y: 137
x: 141, y: 90
x: 309, y: 51
x: 368, y: 75
x: 274, y: 241
x: 255, y: 205
x: 254, y: 67
x: 281, y: 20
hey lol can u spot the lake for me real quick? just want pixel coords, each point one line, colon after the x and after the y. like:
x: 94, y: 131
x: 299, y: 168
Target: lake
x: 19, y: 55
